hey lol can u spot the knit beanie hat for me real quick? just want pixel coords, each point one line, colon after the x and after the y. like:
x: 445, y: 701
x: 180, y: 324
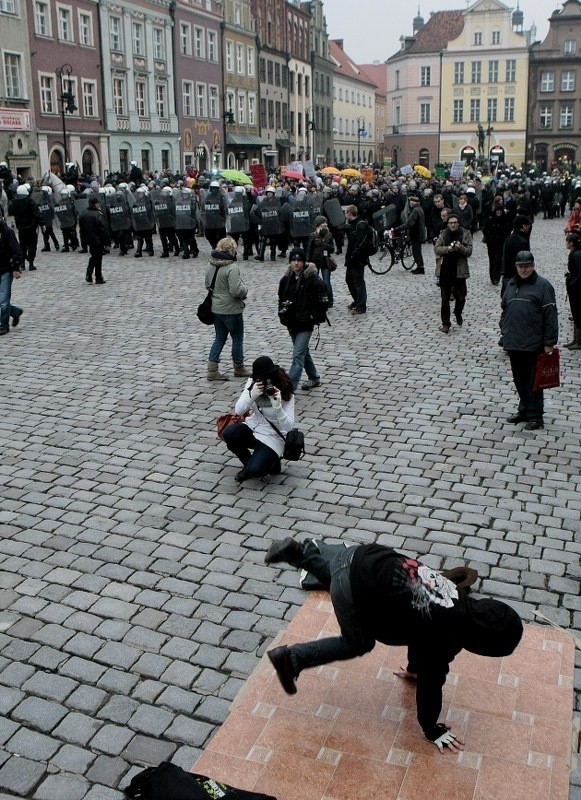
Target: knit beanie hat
x: 493, y: 628
x: 297, y: 252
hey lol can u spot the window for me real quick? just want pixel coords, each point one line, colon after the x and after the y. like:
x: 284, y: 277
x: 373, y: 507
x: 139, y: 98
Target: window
x: 7, y: 7
x: 242, y: 109
x: 474, y: 110
x: 277, y: 74
x: 41, y: 19
x: 250, y: 62
x: 566, y: 117
x: 119, y: 95
x: 47, y: 97
x: 568, y: 81
x: 159, y: 43
x: 185, y: 39
x: 546, y: 118
x: 213, y: 103
x: 115, y: 33
x: 240, y: 58
x: 199, y: 50
x: 89, y: 98
x: 547, y: 81
x: 212, y: 49
x: 299, y: 83
x: 509, y: 109
x: 13, y: 74
x: 165, y: 159
x: 458, y: 111
x: 307, y: 86
x: 425, y: 113
x: 270, y: 74
x: 425, y: 76
x: 570, y: 47
x: 478, y: 37
x: 397, y: 79
x: 476, y: 71
x: 251, y: 109
x: 496, y: 37
x: 138, y: 44
x: 86, y: 29
x: 65, y: 26
x: 492, y: 109
x: 262, y: 70
x: 458, y: 72
x: 187, y: 98
x: 230, y: 56
x: 160, y: 99
x: 140, y: 98
x: 510, y: 76
x: 124, y: 160
x: 263, y: 119
x: 237, y: 16
x: 493, y: 72
x: 201, y: 99
x: 271, y: 114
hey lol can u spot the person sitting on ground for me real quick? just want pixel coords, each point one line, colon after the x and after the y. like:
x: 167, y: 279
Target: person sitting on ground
x: 381, y: 595
x: 268, y: 402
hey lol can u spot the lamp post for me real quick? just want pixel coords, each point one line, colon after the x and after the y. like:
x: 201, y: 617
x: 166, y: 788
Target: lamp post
x: 310, y: 127
x: 489, y: 132
x: 67, y: 102
x: 360, y: 132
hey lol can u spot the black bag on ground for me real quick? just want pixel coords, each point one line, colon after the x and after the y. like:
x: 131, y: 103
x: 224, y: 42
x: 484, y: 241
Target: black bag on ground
x: 170, y: 782
x: 294, y: 445
x: 204, y: 312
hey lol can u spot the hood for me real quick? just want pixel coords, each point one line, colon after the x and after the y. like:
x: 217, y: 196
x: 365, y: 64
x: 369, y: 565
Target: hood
x: 218, y: 259
x: 308, y: 272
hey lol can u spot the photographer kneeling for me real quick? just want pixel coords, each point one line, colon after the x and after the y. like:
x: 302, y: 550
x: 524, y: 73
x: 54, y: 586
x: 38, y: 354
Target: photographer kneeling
x: 269, y: 403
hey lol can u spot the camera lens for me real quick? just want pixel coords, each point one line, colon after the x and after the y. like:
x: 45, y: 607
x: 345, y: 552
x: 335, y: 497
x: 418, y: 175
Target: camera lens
x: 270, y: 390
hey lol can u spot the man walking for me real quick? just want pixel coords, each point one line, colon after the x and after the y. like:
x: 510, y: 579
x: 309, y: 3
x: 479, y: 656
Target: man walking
x: 415, y: 225
x: 95, y: 233
x: 356, y: 259
x: 10, y: 260
x: 453, y: 247
x: 381, y: 595
x: 529, y: 326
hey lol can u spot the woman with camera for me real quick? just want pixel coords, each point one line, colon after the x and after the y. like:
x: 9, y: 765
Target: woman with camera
x: 268, y: 404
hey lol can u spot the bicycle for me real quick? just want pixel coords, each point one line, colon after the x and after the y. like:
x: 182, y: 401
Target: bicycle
x: 393, y: 248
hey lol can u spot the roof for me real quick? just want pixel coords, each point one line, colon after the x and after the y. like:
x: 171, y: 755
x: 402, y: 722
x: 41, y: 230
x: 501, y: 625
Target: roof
x: 245, y: 139
x: 378, y: 74
x: 343, y: 65
x: 441, y: 28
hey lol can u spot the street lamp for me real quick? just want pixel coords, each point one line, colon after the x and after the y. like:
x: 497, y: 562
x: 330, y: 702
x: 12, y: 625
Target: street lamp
x: 360, y: 132
x: 67, y: 99
x: 489, y: 132
x: 311, y: 128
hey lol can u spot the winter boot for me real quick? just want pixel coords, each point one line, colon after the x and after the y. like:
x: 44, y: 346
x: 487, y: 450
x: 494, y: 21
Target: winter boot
x: 214, y: 373
x: 577, y: 345
x: 240, y: 371
x: 261, y: 249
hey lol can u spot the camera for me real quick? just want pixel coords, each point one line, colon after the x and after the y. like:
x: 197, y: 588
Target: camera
x: 284, y: 312
x: 269, y: 388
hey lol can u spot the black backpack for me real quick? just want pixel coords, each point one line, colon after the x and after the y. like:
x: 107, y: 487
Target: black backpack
x: 170, y: 782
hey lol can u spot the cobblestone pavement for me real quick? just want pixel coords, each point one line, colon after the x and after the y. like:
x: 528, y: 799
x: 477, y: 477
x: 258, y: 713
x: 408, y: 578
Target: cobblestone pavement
x: 134, y: 598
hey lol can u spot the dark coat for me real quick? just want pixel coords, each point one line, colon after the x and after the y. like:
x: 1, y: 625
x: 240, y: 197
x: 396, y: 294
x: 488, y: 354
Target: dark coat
x: 93, y: 227
x: 25, y: 212
x: 516, y: 242
x: 318, y: 248
x: 356, y: 255
x: 303, y: 293
x: 496, y: 231
x: 10, y: 252
x: 529, y: 315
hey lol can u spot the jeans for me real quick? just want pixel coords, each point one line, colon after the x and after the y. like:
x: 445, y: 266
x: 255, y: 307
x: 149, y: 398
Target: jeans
x: 225, y: 324
x: 302, y: 358
x: 523, y: 365
x: 6, y: 310
x: 355, y: 279
x: 353, y: 641
x: 326, y: 276
x: 241, y: 441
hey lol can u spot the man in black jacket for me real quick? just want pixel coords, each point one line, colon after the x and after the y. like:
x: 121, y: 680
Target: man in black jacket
x: 10, y: 261
x: 96, y: 234
x: 356, y: 259
x: 517, y: 241
x: 381, y: 595
x: 27, y: 218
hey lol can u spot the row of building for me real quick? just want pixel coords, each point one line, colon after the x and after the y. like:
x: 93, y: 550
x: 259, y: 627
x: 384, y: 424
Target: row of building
x: 216, y: 84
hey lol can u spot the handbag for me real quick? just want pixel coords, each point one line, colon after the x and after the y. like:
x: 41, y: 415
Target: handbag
x: 547, y: 371
x: 226, y: 420
x: 331, y: 263
x: 204, y: 312
x: 294, y: 442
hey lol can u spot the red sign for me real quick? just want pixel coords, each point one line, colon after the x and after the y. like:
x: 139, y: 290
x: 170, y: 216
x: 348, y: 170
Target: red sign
x: 258, y: 173
x: 12, y: 119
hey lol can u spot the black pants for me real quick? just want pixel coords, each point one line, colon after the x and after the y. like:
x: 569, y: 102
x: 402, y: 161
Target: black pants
x: 95, y: 262
x: 494, y: 263
x: 168, y: 239
x: 355, y: 279
x: 523, y: 365
x: 213, y: 235
x: 28, y: 240
x: 458, y: 287
x: 417, y: 254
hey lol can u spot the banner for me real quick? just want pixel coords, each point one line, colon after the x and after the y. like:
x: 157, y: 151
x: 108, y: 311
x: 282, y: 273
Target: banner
x: 259, y: 177
x: 457, y: 170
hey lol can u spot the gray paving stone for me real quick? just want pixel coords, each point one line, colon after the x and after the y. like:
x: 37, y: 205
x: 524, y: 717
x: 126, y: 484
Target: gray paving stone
x: 44, y: 715
x: 73, y: 759
x: 53, y: 687
x: 62, y: 787
x: 111, y: 739
x: 21, y: 775
x: 108, y: 771
x: 77, y: 728
x: 32, y: 745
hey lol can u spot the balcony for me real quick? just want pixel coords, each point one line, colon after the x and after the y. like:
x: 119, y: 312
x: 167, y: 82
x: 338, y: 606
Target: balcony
x: 122, y: 123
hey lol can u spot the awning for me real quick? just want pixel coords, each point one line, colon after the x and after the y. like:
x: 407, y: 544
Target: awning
x: 284, y: 143
x: 245, y: 140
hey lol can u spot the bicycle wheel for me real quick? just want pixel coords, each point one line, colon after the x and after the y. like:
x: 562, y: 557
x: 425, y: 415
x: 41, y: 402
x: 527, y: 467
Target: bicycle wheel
x: 382, y: 262
x: 407, y: 257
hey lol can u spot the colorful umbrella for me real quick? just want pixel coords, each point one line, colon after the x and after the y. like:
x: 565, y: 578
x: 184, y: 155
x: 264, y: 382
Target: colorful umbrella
x: 425, y: 173
x: 293, y: 174
x: 330, y: 171
x: 235, y: 176
x: 351, y: 173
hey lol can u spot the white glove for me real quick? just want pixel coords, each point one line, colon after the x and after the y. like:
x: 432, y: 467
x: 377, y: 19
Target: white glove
x: 442, y: 737
x: 255, y: 390
x: 275, y: 400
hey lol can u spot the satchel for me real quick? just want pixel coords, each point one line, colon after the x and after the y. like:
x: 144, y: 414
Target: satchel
x: 294, y: 445
x: 331, y: 264
x: 204, y: 312
x: 547, y: 371
x: 226, y: 420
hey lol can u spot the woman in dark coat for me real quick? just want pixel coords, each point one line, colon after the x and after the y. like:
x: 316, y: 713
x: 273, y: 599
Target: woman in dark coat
x: 573, y: 282
x: 319, y: 248
x: 495, y: 232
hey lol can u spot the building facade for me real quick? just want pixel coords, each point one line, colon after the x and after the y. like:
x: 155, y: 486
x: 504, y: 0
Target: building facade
x: 484, y: 81
x: 378, y: 74
x: 554, y: 120
x: 18, y: 141
x: 321, y: 144
x: 300, y: 81
x: 353, y: 110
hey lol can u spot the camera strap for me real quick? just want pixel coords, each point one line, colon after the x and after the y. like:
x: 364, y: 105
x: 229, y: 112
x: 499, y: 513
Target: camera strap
x: 272, y: 425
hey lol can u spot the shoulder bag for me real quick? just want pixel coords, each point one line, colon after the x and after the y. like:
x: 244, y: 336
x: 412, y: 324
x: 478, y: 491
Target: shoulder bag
x: 204, y: 312
x: 294, y: 442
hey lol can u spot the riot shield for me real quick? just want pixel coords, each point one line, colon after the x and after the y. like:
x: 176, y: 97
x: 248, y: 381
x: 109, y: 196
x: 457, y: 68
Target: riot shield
x: 118, y: 212
x: 333, y: 210
x: 213, y: 210
x: 64, y: 213
x: 45, y: 206
x: 270, y: 217
x: 316, y: 204
x: 81, y: 204
x: 185, y: 212
x: 142, y: 214
x: 300, y: 220
x: 237, y: 220
x: 163, y: 208
x: 385, y: 218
